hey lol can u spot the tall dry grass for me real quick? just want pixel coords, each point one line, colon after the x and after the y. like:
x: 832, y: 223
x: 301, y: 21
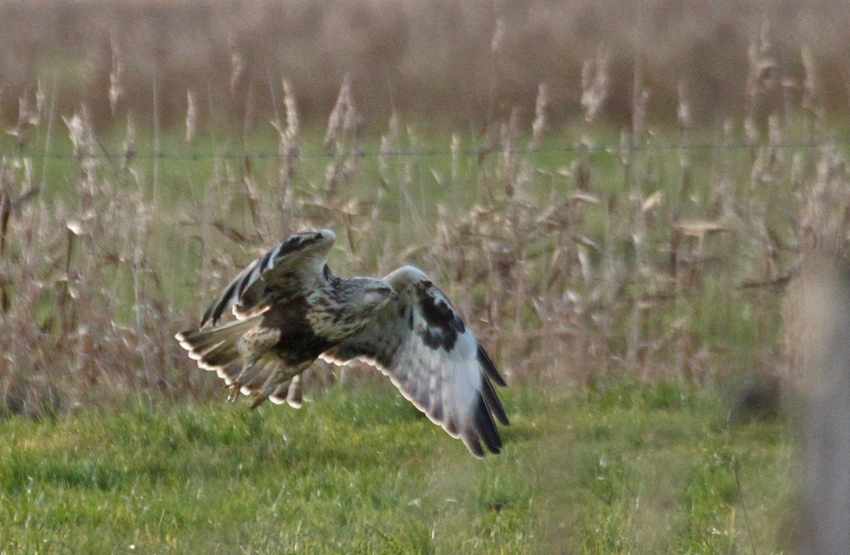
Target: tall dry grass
x: 641, y: 259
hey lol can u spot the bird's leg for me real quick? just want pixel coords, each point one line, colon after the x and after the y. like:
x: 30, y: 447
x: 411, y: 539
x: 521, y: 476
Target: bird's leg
x: 253, y: 345
x: 274, y: 379
x: 234, y: 391
x: 258, y: 399
x: 237, y: 383
x: 239, y: 380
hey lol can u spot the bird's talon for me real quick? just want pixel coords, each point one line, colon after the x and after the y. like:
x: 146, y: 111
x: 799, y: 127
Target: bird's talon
x: 258, y: 400
x: 234, y: 392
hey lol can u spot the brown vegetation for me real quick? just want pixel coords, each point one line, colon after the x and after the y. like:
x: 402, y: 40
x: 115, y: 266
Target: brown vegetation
x: 575, y: 261
x: 462, y: 62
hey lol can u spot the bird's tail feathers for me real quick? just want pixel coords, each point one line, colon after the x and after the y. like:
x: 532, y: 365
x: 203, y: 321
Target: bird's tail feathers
x: 266, y: 378
x: 215, y: 348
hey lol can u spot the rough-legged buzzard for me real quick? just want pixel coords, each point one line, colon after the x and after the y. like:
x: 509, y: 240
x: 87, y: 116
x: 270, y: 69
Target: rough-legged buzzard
x: 291, y: 309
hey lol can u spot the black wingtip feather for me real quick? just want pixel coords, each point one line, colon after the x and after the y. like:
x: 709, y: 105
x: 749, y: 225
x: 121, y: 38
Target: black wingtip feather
x: 205, y: 318
x: 486, y: 428
x: 489, y: 367
x: 494, y: 405
x: 213, y: 313
x: 471, y: 440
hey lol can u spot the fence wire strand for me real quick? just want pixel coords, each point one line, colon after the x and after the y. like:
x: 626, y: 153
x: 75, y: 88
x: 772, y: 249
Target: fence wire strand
x: 608, y: 148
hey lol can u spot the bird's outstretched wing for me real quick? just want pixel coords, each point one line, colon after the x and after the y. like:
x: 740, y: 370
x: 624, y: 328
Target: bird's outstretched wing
x: 421, y: 343
x: 297, y: 263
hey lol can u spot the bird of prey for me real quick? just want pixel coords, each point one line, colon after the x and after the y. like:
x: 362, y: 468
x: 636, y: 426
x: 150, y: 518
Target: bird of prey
x: 290, y: 310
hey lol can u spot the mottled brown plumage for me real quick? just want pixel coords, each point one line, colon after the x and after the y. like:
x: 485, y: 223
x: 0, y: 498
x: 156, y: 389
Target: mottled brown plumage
x: 291, y: 309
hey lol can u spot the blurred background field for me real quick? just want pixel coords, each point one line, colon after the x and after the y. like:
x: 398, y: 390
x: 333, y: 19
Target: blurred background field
x: 440, y: 61
x: 615, y: 195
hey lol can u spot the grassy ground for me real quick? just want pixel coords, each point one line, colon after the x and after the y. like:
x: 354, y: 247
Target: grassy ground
x: 626, y: 469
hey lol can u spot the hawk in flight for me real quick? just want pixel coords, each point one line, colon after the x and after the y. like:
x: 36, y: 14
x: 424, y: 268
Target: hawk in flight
x: 290, y: 310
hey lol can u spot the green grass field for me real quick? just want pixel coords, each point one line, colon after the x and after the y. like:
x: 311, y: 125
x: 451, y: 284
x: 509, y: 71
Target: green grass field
x: 626, y: 469
x: 620, y: 244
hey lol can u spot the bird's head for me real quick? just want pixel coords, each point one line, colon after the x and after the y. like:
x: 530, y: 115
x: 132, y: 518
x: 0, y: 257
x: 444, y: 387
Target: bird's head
x: 363, y: 295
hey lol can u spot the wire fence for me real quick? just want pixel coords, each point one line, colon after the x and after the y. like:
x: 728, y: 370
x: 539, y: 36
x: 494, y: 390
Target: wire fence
x: 591, y: 148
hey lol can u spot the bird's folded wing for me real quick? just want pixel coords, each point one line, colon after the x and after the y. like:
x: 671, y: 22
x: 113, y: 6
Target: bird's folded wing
x: 296, y: 263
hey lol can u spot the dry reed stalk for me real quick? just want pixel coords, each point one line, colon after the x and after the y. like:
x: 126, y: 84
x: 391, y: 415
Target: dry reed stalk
x: 292, y: 120
x: 140, y: 315
x: 156, y: 139
x: 337, y: 116
x: 413, y: 207
x: 253, y: 197
x: 812, y: 101
x: 509, y: 160
x: 824, y: 223
x: 32, y: 272
x: 191, y: 116
x: 288, y: 149
x: 341, y: 139
x: 762, y: 84
x: 683, y: 115
x: 539, y: 125
x: 455, y: 186
x: 576, y: 259
x: 25, y: 119
x: 677, y: 237
x: 237, y: 65
x: 456, y: 152
x: 724, y: 188
x: 86, y: 151
x: 116, y: 75
x: 389, y: 149
x: 594, y: 85
x: 635, y: 175
x: 67, y: 315
x: 129, y: 146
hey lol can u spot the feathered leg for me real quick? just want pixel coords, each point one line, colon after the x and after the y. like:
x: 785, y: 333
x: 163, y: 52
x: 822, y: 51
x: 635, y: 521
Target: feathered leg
x: 242, y: 354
